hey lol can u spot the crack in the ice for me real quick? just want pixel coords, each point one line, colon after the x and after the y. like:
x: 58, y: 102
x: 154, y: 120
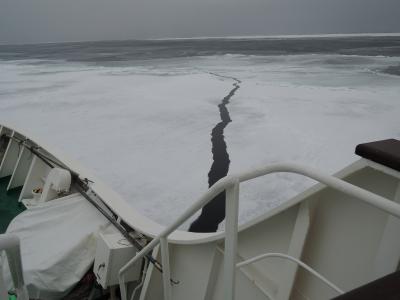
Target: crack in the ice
x: 214, y: 212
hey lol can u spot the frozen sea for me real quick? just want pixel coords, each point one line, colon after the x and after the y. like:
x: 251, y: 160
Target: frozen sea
x: 140, y: 113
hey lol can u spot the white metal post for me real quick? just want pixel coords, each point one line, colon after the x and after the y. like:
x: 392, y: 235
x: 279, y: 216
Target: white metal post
x: 231, y: 228
x: 166, y: 270
x: 3, y: 289
x: 11, y: 244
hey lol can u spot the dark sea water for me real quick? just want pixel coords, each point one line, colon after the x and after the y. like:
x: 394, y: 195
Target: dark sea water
x: 121, y: 52
x: 113, y: 51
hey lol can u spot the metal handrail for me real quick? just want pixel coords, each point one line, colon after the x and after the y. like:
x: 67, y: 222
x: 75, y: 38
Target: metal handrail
x: 230, y: 184
x: 293, y: 259
x: 11, y: 245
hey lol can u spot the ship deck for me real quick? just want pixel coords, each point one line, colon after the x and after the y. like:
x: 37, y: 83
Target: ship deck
x: 9, y: 205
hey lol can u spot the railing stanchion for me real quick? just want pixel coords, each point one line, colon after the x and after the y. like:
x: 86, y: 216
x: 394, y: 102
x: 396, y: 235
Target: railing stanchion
x: 166, y: 269
x: 231, y: 229
x: 122, y: 287
x: 10, y: 243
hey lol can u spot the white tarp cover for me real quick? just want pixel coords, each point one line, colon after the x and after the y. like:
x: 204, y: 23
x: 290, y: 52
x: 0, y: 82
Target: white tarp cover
x: 58, y: 243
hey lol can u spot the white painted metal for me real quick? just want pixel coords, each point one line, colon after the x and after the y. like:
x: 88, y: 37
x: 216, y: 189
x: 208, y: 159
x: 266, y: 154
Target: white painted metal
x: 21, y: 169
x: 3, y: 131
x: 112, y: 252
x: 10, y: 158
x: 166, y: 268
x: 386, y: 170
x: 388, y: 254
x: 11, y: 245
x: 38, y: 170
x: 335, y: 183
x: 231, y: 229
x: 254, y: 280
x: 258, y: 285
x: 291, y: 258
x: 216, y: 262
x: 148, y: 276
x: 212, y: 192
x: 3, y: 288
x: 57, y: 181
x: 295, y: 249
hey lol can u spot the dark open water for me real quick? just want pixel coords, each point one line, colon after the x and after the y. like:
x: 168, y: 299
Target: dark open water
x: 114, y: 51
x: 121, y: 52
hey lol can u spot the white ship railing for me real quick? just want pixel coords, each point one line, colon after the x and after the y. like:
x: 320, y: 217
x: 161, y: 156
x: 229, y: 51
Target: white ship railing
x: 230, y: 184
x: 10, y: 244
x: 293, y: 259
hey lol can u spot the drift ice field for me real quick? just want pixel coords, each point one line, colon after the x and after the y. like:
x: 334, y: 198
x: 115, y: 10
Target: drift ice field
x: 145, y: 128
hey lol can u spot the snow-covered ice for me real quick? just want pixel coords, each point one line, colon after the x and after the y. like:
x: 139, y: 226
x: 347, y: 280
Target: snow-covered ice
x: 145, y: 129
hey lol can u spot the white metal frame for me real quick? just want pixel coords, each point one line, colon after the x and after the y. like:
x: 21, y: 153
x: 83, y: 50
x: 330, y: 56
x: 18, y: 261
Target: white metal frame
x: 11, y: 245
x: 230, y: 184
x: 293, y: 259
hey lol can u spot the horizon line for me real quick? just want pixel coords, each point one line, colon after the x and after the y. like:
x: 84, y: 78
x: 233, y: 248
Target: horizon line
x: 232, y: 37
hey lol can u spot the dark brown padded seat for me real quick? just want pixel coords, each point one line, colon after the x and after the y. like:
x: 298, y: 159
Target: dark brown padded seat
x: 385, y: 152
x: 385, y: 288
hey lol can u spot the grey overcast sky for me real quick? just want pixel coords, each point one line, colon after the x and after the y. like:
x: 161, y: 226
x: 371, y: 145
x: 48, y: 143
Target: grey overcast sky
x: 30, y: 21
